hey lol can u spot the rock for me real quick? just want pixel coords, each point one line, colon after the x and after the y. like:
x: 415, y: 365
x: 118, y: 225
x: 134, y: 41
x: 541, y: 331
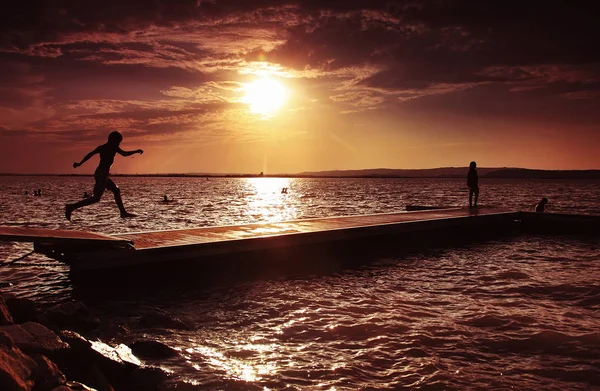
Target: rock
x: 99, y: 381
x: 96, y: 363
x: 159, y: 318
x: 110, y: 331
x: 147, y: 379
x: 47, y: 375
x: 5, y: 317
x: 152, y: 350
x: 22, y: 310
x: 76, y: 386
x: 33, y: 337
x: 75, y: 341
x: 72, y: 315
x: 17, y: 370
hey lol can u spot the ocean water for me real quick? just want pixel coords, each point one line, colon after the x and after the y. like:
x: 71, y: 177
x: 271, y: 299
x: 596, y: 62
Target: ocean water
x: 520, y: 313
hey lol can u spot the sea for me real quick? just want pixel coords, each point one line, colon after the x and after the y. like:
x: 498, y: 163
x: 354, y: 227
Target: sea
x: 509, y: 313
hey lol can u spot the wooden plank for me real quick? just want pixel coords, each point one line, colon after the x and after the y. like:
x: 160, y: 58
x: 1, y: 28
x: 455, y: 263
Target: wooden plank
x: 55, y: 236
x: 190, y: 246
x: 204, y: 235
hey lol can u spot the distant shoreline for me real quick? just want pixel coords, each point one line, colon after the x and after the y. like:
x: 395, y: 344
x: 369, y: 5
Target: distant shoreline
x: 440, y: 173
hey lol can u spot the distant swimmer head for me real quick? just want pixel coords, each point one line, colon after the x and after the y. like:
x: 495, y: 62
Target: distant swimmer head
x: 115, y: 138
x: 165, y: 198
x: 472, y: 165
x: 544, y: 201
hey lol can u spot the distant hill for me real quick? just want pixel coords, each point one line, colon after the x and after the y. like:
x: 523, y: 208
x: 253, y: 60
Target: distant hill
x: 456, y: 172
x: 443, y: 172
x: 543, y: 174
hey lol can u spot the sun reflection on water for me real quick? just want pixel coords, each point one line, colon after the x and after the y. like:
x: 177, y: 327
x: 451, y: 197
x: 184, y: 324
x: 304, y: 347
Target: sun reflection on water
x: 268, y: 201
x: 238, y: 368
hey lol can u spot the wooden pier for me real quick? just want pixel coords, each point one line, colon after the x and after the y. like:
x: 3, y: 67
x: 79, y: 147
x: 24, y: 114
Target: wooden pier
x: 88, y: 252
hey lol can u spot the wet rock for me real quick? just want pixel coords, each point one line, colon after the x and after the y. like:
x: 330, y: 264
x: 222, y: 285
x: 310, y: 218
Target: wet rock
x: 47, y: 375
x: 147, y: 379
x: 109, y: 331
x: 159, y: 318
x: 97, y: 380
x: 17, y: 370
x: 22, y: 310
x: 96, y: 363
x: 74, y: 386
x: 72, y: 315
x: 75, y: 341
x: 5, y: 317
x: 33, y: 338
x: 152, y: 350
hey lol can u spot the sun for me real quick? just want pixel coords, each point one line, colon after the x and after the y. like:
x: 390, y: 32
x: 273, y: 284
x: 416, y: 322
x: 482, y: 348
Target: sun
x: 265, y: 95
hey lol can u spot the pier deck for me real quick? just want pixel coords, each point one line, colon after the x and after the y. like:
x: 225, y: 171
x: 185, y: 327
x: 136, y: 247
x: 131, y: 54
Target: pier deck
x: 86, y: 252
x: 205, y: 235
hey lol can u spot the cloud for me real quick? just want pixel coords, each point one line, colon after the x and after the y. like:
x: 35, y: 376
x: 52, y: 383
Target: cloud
x: 176, y: 68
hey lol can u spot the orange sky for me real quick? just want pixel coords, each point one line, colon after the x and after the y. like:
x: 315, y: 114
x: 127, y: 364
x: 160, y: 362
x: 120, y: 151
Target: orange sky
x: 367, y: 84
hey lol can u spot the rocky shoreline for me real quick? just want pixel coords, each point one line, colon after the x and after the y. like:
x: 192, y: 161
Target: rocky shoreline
x: 60, y: 349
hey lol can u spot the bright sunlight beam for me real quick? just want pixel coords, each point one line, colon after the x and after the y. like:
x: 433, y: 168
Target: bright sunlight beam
x: 265, y: 95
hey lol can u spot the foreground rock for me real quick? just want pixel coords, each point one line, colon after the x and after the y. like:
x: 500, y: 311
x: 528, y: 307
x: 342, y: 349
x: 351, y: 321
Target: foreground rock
x: 71, y: 316
x: 5, y: 316
x: 35, y: 358
x: 47, y: 375
x: 34, y: 338
x: 17, y: 370
x: 153, y: 350
x: 22, y: 310
x: 74, y: 386
x: 103, y: 367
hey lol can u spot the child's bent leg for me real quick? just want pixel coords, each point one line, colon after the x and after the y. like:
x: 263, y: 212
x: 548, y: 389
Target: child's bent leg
x: 118, y: 200
x: 98, y: 190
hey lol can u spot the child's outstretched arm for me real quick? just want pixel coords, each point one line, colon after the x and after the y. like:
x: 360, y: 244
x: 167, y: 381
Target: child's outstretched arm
x: 129, y: 153
x: 86, y: 158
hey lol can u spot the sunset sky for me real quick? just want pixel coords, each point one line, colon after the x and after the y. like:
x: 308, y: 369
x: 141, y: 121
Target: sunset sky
x: 290, y: 86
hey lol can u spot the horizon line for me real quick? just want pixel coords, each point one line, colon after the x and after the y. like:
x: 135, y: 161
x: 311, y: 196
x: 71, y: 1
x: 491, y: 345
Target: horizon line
x: 367, y: 172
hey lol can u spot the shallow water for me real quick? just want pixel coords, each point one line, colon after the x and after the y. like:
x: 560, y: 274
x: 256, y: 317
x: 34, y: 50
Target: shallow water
x: 517, y: 313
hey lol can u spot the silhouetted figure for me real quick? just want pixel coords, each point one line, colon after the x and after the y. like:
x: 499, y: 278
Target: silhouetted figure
x: 473, y: 184
x: 39, y: 192
x: 166, y: 200
x: 107, y: 154
x: 541, y: 205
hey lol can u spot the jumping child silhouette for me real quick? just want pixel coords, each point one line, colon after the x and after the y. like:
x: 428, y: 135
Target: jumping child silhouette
x: 107, y: 154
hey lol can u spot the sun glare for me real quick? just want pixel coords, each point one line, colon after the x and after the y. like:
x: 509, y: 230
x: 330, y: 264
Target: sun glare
x: 265, y: 96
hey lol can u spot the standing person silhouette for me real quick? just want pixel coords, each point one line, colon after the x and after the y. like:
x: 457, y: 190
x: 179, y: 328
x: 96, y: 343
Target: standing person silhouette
x: 541, y: 206
x: 473, y: 184
x: 107, y: 154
